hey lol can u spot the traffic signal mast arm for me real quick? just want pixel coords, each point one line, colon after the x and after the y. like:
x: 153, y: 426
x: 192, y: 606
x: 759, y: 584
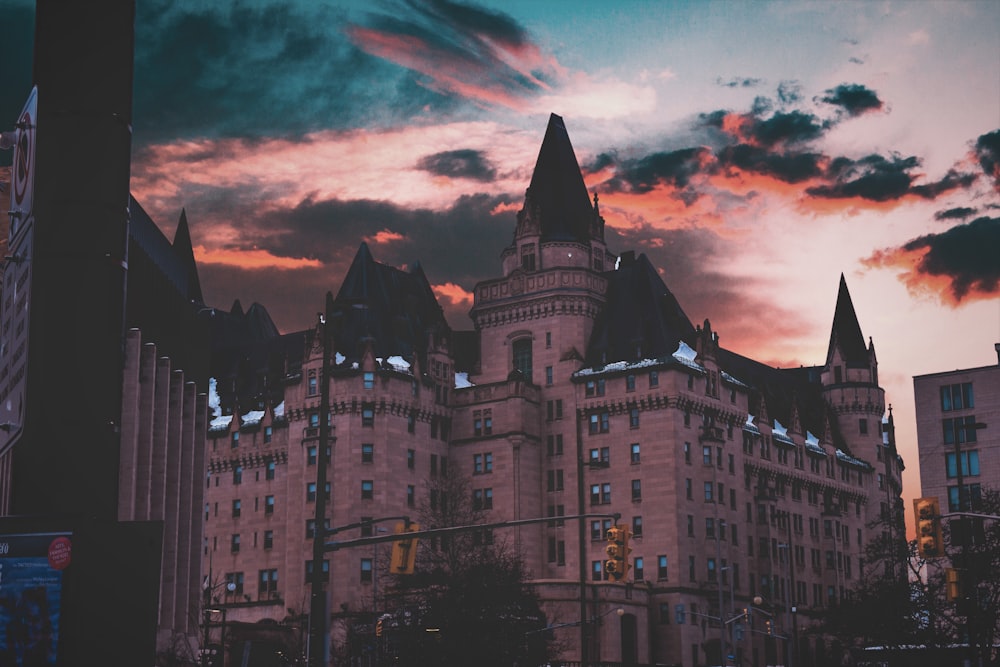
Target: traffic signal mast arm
x: 375, y: 539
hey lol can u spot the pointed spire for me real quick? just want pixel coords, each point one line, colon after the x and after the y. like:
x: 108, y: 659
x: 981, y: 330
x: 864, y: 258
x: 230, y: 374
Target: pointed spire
x: 845, y: 334
x: 557, y: 191
x: 185, y: 253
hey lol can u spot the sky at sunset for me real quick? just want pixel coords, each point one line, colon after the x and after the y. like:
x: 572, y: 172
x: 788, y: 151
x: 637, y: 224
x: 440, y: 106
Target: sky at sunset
x: 754, y: 151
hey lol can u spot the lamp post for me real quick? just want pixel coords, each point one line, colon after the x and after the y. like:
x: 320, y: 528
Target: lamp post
x: 208, y: 588
x: 318, y: 613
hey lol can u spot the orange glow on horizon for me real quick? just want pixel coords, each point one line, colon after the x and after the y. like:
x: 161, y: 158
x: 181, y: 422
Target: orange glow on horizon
x: 252, y: 260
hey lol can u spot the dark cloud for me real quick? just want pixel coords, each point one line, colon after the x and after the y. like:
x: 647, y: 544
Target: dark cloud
x: 790, y: 167
x: 789, y: 92
x: 880, y: 179
x: 960, y: 213
x: 465, y: 163
x: 225, y: 70
x: 642, y: 175
x: 854, y: 99
x: 313, y: 230
x: 465, y: 50
x: 793, y: 126
x: 737, y: 82
x: 988, y: 153
x: 965, y: 254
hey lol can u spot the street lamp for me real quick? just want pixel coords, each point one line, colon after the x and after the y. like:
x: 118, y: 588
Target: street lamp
x: 208, y: 588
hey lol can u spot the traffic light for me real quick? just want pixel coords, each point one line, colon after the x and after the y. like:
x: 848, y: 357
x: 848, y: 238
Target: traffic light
x: 617, y: 565
x: 953, y: 584
x: 404, y: 552
x: 930, y: 542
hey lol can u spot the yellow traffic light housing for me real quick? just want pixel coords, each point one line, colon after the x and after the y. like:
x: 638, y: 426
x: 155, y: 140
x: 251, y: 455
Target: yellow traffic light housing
x: 953, y: 584
x: 618, y: 550
x: 404, y: 552
x: 930, y: 541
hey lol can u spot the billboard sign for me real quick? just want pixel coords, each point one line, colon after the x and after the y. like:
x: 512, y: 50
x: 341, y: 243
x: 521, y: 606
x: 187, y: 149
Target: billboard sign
x: 31, y: 586
x: 16, y: 287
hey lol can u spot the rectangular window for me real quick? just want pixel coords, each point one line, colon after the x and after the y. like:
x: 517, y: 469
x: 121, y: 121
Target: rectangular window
x: 267, y: 582
x: 311, y: 455
x: 270, y: 470
x: 268, y: 504
x: 637, y: 569
x: 268, y: 539
x: 634, y: 453
x: 237, y: 505
x: 238, y: 475
x: 548, y: 375
x: 661, y: 567
x: 312, y: 383
x: 368, y: 415
x: 367, y: 571
x: 957, y: 397
x: 234, y: 439
x: 654, y: 379
x: 369, y: 379
x: 636, y: 489
x: 310, y: 492
x: 368, y: 452
x: 633, y: 418
x: 637, y: 526
x: 268, y: 434
x: 596, y: 571
x: 367, y: 489
x: 709, y: 492
x: 234, y: 543
x: 630, y: 382
x: 970, y: 464
x: 411, y: 459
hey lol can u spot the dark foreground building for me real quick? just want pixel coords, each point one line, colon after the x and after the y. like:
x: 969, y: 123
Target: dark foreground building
x: 583, y: 389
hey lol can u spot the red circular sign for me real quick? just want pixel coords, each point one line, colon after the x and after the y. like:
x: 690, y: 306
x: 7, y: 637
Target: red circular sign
x: 59, y: 553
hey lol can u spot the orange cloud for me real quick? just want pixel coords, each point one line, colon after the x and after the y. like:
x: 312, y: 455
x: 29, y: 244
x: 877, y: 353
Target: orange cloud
x: 384, y: 236
x: 455, y: 294
x: 251, y: 260
x: 911, y: 266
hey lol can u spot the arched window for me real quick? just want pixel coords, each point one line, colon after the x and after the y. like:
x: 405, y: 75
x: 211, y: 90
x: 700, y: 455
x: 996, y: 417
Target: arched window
x: 522, y: 356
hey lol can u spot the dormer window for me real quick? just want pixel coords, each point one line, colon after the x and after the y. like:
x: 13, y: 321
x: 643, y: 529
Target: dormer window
x: 528, y: 257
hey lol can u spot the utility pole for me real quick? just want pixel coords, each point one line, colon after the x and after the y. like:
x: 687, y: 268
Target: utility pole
x: 319, y: 614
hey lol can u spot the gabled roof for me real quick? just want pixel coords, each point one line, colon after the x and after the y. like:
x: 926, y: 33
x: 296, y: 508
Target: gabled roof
x: 557, y: 191
x: 845, y: 333
x: 392, y: 309
x: 639, y: 311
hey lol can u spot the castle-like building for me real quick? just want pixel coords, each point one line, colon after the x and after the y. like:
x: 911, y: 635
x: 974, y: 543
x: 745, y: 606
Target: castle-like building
x: 584, y: 389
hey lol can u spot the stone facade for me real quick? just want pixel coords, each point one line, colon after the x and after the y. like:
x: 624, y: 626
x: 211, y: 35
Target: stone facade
x: 737, y: 480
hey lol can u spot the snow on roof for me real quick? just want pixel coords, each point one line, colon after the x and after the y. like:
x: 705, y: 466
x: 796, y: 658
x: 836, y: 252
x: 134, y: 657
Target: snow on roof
x: 214, y: 403
x: 730, y: 379
x: 220, y: 423
x: 462, y: 380
x: 847, y: 458
x: 779, y: 432
x: 812, y: 444
x: 252, y: 417
x: 686, y: 356
x: 750, y: 426
x: 618, y: 366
